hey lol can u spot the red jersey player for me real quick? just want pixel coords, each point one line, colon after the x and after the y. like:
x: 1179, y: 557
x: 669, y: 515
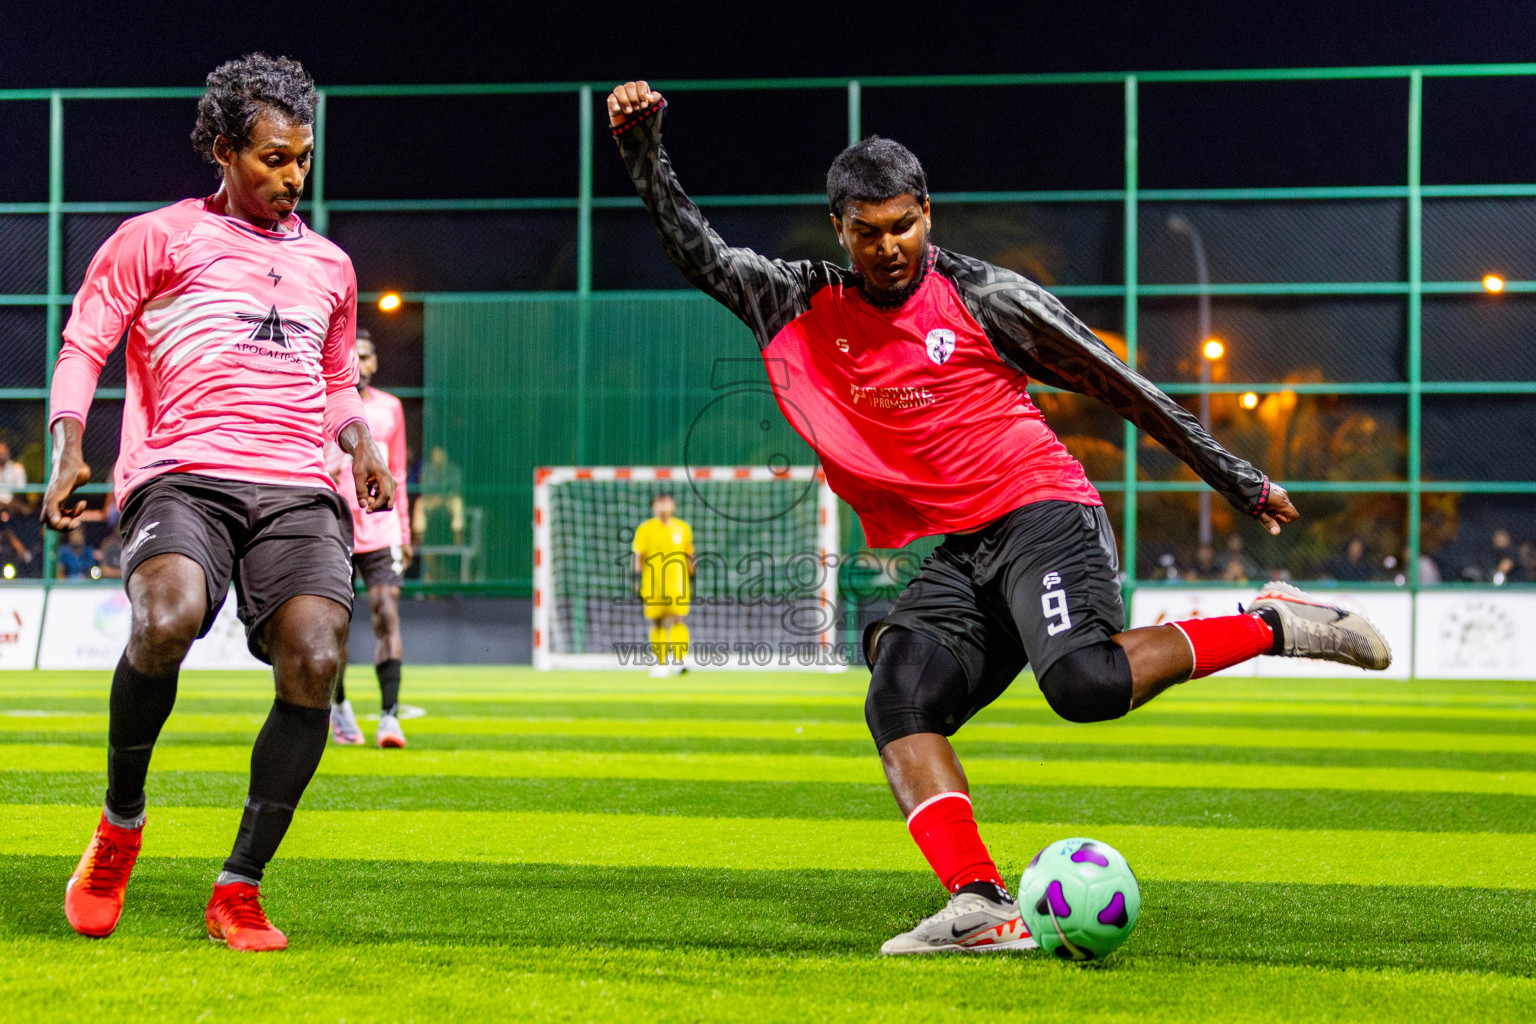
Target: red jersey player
x: 381, y: 549
x: 238, y: 322
x: 907, y: 374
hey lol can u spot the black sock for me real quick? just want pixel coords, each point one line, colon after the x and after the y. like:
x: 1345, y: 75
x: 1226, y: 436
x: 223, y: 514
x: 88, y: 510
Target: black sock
x: 341, y: 689
x: 987, y: 890
x: 139, y: 705
x: 1272, y: 620
x: 389, y: 684
x: 284, y: 759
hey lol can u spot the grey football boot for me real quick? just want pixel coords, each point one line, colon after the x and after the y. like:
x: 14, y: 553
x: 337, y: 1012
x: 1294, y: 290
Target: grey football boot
x: 1309, y: 628
x: 970, y: 924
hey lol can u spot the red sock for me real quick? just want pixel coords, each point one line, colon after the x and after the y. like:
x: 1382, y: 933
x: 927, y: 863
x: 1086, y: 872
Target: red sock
x: 1225, y: 641
x: 945, y: 830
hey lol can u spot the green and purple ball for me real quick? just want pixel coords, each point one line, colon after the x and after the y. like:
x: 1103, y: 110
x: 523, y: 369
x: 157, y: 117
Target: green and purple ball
x: 1080, y: 899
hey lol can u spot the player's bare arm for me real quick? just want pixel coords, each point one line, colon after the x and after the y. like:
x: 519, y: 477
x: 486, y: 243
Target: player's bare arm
x: 370, y: 470
x: 68, y: 472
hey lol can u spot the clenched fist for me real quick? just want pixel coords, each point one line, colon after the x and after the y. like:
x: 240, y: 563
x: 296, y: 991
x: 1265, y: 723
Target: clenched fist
x: 628, y: 99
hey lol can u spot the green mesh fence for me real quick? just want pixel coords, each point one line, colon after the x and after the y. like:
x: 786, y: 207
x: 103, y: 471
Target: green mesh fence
x: 1341, y: 258
x: 658, y: 380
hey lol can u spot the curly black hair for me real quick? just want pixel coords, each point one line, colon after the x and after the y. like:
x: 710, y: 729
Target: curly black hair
x: 240, y: 91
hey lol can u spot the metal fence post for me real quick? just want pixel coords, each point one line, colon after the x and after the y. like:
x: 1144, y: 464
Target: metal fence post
x: 320, y: 214
x: 855, y: 111
x: 583, y: 272
x: 53, y: 325
x: 1415, y: 319
x: 1128, y: 530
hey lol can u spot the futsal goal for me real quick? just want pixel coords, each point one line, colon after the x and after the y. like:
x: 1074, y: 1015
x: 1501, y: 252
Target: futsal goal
x: 764, y: 590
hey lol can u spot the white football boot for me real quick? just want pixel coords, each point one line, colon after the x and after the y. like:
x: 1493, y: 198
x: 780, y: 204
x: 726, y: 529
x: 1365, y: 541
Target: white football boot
x: 390, y: 735
x: 344, y: 728
x: 969, y: 924
x: 1310, y: 628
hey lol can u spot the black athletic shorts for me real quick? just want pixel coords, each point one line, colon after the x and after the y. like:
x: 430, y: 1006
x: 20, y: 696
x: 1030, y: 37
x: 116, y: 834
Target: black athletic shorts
x: 274, y: 542
x: 382, y: 568
x: 1029, y: 588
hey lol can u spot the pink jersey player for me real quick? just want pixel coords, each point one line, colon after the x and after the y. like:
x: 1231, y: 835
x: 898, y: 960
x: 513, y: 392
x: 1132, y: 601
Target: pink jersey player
x: 378, y: 531
x: 239, y: 345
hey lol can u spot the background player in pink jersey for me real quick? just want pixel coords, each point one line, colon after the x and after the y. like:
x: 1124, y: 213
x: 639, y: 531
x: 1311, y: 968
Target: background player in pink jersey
x: 238, y: 323
x: 907, y: 373
x: 381, y: 549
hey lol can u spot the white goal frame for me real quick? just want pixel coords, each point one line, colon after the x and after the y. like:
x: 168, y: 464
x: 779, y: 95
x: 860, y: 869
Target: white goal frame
x: 545, y: 477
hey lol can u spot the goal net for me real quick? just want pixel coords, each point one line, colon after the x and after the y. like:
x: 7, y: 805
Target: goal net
x: 764, y: 594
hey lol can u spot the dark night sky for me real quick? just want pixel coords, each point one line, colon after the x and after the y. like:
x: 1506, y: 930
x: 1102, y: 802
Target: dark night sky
x: 1234, y: 135
x: 175, y: 43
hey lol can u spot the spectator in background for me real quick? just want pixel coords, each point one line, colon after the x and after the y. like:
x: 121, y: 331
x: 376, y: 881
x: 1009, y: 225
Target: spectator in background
x: 1525, y: 563
x: 442, y: 488
x: 1205, y: 564
x: 1236, y: 566
x: 1351, y: 566
x: 441, y: 491
x: 1501, y: 556
x: 110, y: 555
x: 76, y: 559
x: 18, y: 532
x: 13, y: 477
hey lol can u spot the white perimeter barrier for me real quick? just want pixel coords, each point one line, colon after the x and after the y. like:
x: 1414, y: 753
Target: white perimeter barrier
x: 1445, y: 634
x: 1440, y: 634
x: 21, y: 623
x: 87, y: 628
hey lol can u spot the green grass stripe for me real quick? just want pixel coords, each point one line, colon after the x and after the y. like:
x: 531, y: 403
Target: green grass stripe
x: 1208, y: 808
x: 522, y: 683
x: 657, y: 946
x: 1020, y: 697
x: 1519, y: 740
x: 803, y: 768
x: 527, y: 744
x: 353, y: 905
x: 788, y: 844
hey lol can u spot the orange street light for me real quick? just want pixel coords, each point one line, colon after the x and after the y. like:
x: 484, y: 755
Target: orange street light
x: 1250, y: 400
x: 1493, y: 282
x: 389, y: 302
x: 1214, y: 349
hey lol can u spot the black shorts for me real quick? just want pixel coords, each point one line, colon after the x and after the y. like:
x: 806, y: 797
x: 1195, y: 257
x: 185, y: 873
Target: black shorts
x: 1027, y: 589
x: 382, y: 568
x: 273, y: 542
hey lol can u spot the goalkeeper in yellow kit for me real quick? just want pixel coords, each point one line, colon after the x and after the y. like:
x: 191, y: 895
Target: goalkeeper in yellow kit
x: 663, y: 550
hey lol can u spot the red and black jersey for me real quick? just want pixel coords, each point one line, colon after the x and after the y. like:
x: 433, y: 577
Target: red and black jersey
x: 917, y: 407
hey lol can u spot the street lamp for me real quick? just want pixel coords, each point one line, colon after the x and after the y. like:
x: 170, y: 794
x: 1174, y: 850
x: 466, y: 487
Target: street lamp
x: 1178, y: 225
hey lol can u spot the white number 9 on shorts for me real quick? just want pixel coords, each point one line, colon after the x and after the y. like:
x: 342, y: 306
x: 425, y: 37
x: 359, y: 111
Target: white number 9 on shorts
x: 1054, y: 603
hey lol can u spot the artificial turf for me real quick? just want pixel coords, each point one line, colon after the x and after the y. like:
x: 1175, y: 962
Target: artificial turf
x: 720, y: 847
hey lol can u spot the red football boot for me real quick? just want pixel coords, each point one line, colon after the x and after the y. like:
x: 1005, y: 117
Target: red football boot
x: 93, y: 899
x: 236, y: 919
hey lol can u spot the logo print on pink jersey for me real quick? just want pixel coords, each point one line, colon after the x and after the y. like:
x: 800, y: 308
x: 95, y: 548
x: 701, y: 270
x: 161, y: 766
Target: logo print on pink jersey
x: 941, y: 345
x: 272, y: 327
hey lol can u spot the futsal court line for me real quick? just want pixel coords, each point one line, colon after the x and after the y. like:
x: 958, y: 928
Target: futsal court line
x: 1319, y: 856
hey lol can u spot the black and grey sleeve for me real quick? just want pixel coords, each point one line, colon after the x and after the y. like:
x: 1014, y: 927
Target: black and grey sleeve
x: 1034, y: 332
x: 766, y: 294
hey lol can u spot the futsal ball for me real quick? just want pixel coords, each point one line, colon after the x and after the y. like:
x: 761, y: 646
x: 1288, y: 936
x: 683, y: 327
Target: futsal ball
x: 1080, y: 899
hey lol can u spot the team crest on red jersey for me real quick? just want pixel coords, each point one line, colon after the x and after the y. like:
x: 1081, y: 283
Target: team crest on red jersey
x: 941, y: 345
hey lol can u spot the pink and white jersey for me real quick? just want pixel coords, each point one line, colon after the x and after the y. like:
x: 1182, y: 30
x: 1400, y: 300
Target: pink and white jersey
x: 240, y: 346
x: 376, y: 531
